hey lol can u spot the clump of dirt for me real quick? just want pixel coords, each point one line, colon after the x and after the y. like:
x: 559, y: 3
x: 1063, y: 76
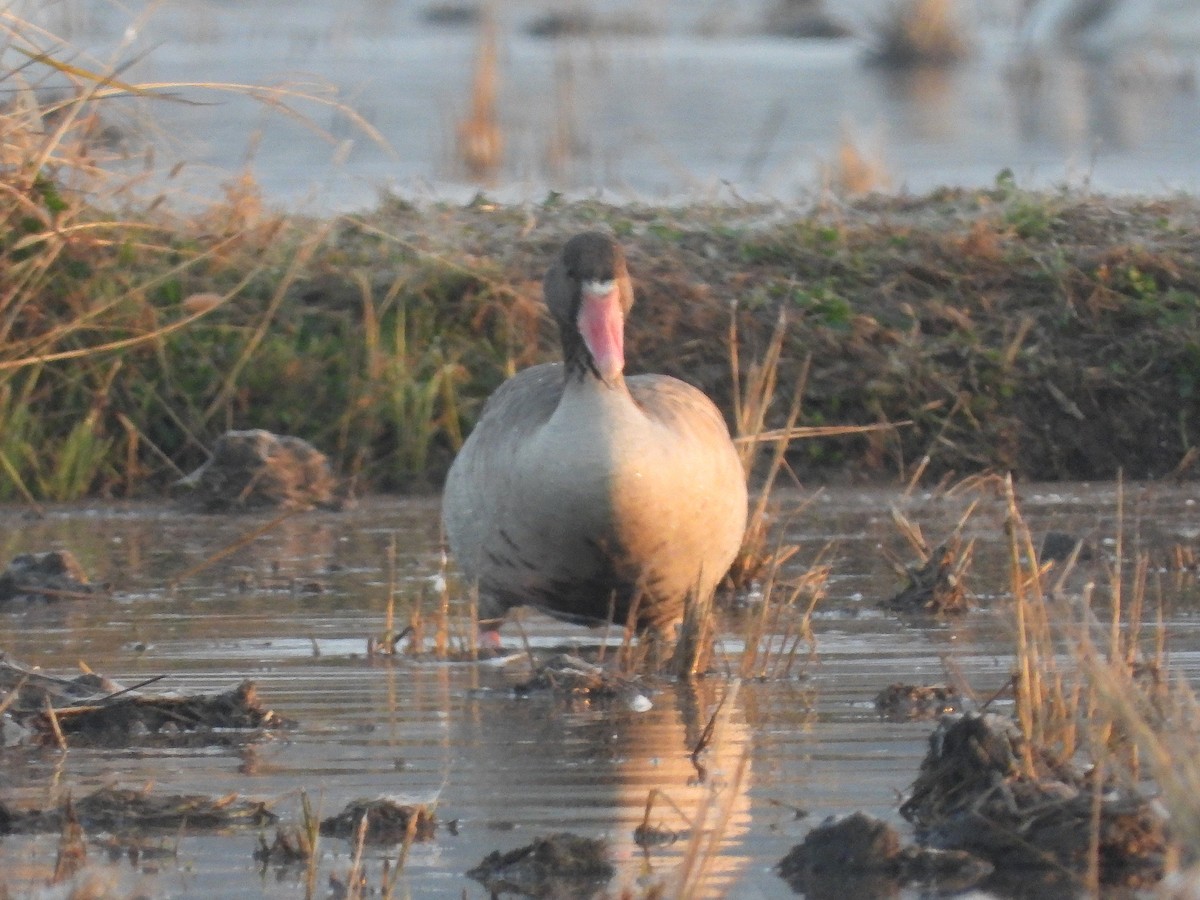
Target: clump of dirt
x: 91, y: 710
x: 936, y: 586
x: 1060, y: 546
x: 119, y: 810
x: 566, y: 674
x: 200, y: 719
x: 54, y: 575
x: 28, y: 689
x: 557, y: 867
x: 290, y: 847
x: 906, y: 702
x: 388, y: 822
x: 861, y: 856
x: 256, y: 469
x: 974, y: 792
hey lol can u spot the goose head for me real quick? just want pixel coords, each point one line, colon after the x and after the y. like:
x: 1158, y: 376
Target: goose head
x: 589, y: 293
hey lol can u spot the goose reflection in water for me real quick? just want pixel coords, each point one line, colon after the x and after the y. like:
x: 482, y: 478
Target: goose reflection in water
x: 700, y: 804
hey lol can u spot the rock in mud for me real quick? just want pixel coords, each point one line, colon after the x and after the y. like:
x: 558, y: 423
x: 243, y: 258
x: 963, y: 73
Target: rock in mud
x: 861, y: 856
x: 388, y: 822
x: 562, y: 866
x: 119, y: 810
x: 906, y: 702
x: 256, y: 469
x: 975, y: 792
x: 53, y: 575
x: 936, y: 587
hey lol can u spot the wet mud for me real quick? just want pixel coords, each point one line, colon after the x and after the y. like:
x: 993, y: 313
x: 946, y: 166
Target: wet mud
x: 555, y: 867
x: 121, y: 810
x: 55, y: 574
x: 975, y: 793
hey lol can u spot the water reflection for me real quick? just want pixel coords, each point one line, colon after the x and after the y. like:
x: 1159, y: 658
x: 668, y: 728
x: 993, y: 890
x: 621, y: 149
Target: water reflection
x: 786, y: 753
x: 596, y: 769
x: 673, y: 113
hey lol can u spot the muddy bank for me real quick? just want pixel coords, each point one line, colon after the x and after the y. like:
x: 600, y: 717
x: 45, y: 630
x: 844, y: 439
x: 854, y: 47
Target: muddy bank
x: 1053, y: 335
x: 1057, y: 336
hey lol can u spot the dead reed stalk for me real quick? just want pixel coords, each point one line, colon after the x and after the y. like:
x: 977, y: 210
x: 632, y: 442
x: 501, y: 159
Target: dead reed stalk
x: 480, y: 136
x: 754, y: 394
x: 775, y: 632
x: 1098, y: 686
x: 1046, y: 704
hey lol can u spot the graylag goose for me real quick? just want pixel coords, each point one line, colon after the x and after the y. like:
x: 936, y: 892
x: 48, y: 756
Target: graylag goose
x: 587, y: 494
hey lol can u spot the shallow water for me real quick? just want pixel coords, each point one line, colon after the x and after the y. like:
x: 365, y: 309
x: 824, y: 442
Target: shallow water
x: 507, y: 768
x: 702, y: 107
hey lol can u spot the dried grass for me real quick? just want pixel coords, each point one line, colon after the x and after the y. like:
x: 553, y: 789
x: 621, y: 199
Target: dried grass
x: 89, y: 287
x: 915, y: 33
x: 1099, y: 687
x: 480, y: 136
x: 855, y: 169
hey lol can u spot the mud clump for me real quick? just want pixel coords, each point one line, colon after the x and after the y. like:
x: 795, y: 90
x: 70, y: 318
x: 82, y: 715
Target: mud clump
x: 570, y: 676
x: 1060, y: 546
x: 29, y: 689
x: 91, y: 710
x: 562, y: 866
x: 51, y: 576
x: 936, y: 587
x: 906, y: 702
x: 974, y: 793
x: 861, y: 856
x: 256, y: 469
x: 387, y: 822
x: 193, y: 720
x: 290, y: 847
x: 119, y: 810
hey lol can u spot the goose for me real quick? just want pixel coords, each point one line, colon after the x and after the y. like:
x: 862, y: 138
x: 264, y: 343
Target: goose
x: 1100, y: 29
x: 585, y: 493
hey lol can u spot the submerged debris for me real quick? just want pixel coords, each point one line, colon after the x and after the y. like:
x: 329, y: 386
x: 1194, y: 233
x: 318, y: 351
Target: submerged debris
x: 257, y: 469
x: 291, y: 846
x: 92, y: 710
x: 1059, y: 546
x: 557, y: 867
x: 903, y: 702
x: 118, y: 810
x: 53, y: 575
x: 197, y: 719
x: 34, y: 688
x: 973, y: 793
x: 937, y: 586
x: 388, y: 822
x: 861, y: 856
x: 564, y: 673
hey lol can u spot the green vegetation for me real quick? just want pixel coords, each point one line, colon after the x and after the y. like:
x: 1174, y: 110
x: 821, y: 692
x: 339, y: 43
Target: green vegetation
x: 1053, y: 335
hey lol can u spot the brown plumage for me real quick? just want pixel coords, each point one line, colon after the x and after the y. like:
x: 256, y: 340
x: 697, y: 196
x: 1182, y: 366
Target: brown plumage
x: 581, y: 491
